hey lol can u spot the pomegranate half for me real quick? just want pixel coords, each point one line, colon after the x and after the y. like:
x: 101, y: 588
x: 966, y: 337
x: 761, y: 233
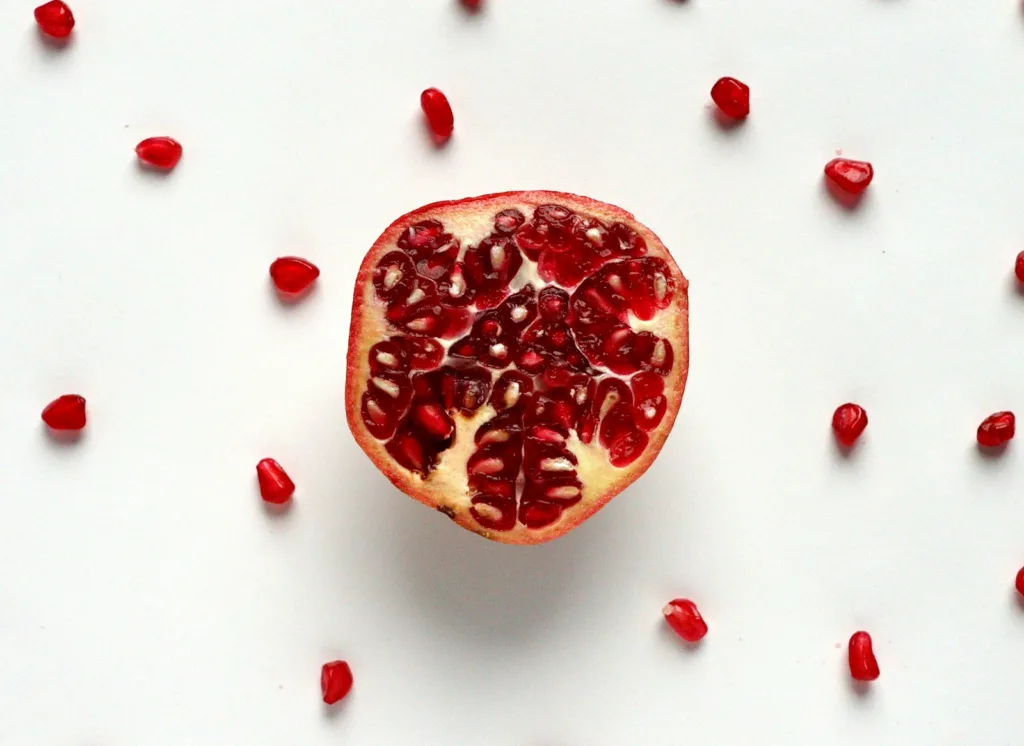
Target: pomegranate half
x: 516, y: 360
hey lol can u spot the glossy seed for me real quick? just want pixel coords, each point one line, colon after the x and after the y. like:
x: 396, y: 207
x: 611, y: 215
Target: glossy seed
x: 1018, y: 267
x: 55, y: 19
x: 1019, y: 582
x: 997, y: 429
x: 732, y: 97
x: 848, y: 422
x: 684, y: 618
x: 473, y: 5
x: 853, y: 177
x: 863, y: 666
x: 293, y: 275
x: 335, y: 681
x: 276, y: 487
x: 438, y: 112
x: 66, y: 412
x: 159, y: 152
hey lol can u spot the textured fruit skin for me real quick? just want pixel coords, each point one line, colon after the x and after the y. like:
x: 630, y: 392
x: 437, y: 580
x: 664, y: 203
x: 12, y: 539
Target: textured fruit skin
x: 411, y: 484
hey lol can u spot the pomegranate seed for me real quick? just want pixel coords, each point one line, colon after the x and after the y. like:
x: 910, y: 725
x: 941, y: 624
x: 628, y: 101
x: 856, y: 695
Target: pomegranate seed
x: 1018, y: 267
x: 276, y: 487
x: 473, y: 5
x: 852, y: 177
x: 732, y: 97
x: 1019, y: 582
x: 684, y: 618
x: 997, y: 429
x: 335, y: 681
x: 292, y: 274
x: 159, y: 152
x: 863, y: 666
x: 848, y: 422
x: 65, y: 413
x: 55, y: 19
x: 439, y: 113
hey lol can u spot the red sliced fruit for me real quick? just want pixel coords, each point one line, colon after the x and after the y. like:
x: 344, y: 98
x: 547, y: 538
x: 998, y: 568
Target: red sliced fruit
x: 516, y: 360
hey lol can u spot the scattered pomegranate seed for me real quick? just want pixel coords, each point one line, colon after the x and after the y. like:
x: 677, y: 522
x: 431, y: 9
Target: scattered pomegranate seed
x: 1018, y: 267
x: 159, y: 152
x: 732, y: 97
x: 473, y: 5
x: 997, y: 429
x: 55, y: 19
x: 293, y: 275
x: 863, y: 666
x: 1019, y: 582
x: 848, y: 422
x: 276, y: 486
x: 850, y: 176
x: 439, y: 113
x: 65, y: 413
x: 335, y: 681
x: 684, y: 618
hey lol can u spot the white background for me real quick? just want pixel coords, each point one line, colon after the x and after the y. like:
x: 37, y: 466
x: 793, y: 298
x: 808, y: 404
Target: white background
x: 147, y: 598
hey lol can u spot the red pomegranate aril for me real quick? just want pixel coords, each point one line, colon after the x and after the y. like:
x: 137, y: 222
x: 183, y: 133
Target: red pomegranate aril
x: 863, y: 666
x: 685, y: 620
x: 849, y: 422
x: 1018, y: 267
x: 438, y: 112
x: 55, y: 19
x: 66, y: 412
x: 473, y: 5
x: 853, y: 177
x: 335, y: 681
x: 1019, y: 581
x: 276, y: 487
x: 292, y: 274
x: 732, y: 97
x: 162, y: 153
x: 997, y: 429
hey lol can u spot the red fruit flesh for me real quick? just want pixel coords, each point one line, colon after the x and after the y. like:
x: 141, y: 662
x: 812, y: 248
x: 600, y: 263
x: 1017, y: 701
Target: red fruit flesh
x: 848, y: 422
x: 685, y: 620
x: 55, y: 19
x: 516, y: 360
x: 66, y: 412
x: 732, y: 97
x: 162, y: 153
x: 853, y: 177
x: 438, y: 112
x: 276, y: 487
x: 997, y: 429
x: 335, y: 681
x: 863, y: 666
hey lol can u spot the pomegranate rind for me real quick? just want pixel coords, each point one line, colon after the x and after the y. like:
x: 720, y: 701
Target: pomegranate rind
x: 446, y: 488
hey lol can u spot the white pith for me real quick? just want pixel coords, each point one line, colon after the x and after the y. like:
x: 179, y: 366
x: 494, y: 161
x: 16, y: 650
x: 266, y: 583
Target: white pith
x: 447, y: 485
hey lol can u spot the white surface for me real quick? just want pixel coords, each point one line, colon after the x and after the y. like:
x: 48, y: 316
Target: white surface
x: 147, y: 598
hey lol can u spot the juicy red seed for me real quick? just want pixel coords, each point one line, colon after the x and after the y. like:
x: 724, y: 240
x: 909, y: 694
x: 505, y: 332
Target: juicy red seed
x: 335, y: 681
x: 55, y: 19
x: 732, y: 97
x: 850, y: 176
x: 276, y: 486
x: 438, y: 111
x: 159, y: 152
x: 849, y: 422
x: 863, y: 666
x: 997, y: 429
x: 471, y: 4
x: 1018, y: 267
x: 292, y: 274
x: 66, y: 412
x: 682, y: 616
x: 1019, y: 582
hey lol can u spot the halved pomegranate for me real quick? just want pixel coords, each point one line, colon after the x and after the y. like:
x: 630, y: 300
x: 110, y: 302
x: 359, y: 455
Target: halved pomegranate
x: 516, y: 360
